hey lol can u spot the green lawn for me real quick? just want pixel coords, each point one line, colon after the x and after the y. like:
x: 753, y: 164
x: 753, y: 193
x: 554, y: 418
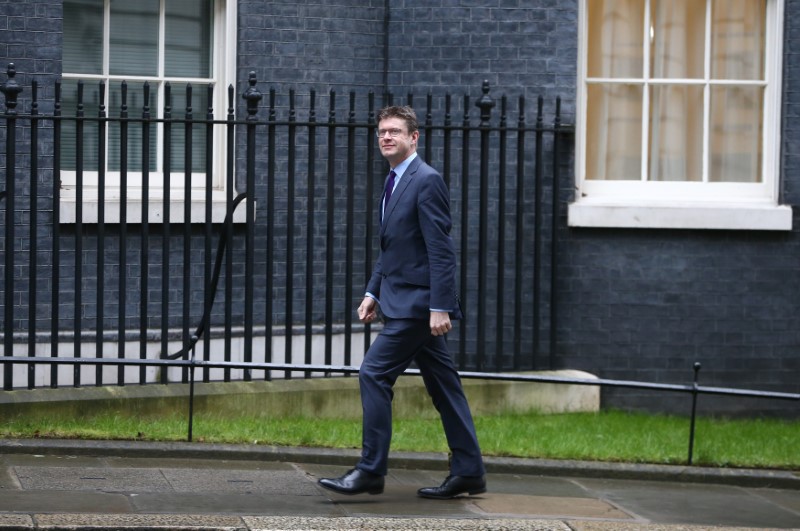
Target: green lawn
x: 605, y: 436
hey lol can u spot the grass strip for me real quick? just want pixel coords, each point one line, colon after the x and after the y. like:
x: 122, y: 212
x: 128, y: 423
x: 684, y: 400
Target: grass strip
x: 613, y: 436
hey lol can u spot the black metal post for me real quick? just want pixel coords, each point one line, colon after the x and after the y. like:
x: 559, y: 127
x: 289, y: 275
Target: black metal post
x: 56, y: 205
x: 11, y: 90
x: 144, y: 238
x: 229, y: 189
x: 348, y: 288
x: 165, y: 226
x: 78, y: 302
x: 101, y: 231
x: 428, y: 155
x: 144, y: 248
x: 270, y: 265
x: 329, y: 230
x: 123, y: 229
x: 252, y: 96
x: 695, y: 388
x: 537, y: 233
x: 554, y: 240
x: 464, y: 280
x: 187, y: 220
x: 485, y: 104
x: 310, y: 222
x: 501, y: 240
x: 34, y: 225
x: 191, y: 388
x: 208, y: 298
x: 447, y: 140
x: 519, y: 230
x: 370, y: 201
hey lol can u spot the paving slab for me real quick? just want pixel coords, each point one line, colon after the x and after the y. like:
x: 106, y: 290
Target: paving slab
x: 16, y: 521
x: 617, y: 526
x: 8, y: 480
x: 105, y: 486
x: 403, y: 524
x: 233, y: 504
x: 548, y: 506
x: 402, y: 501
x: 209, y: 463
x: 52, y: 460
x: 787, y: 499
x: 52, y: 501
x: 289, y: 482
x: 687, y: 503
x: 139, y: 521
x: 92, y: 478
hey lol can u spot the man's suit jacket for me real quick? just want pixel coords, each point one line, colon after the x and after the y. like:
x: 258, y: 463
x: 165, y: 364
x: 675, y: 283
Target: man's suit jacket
x: 416, y: 269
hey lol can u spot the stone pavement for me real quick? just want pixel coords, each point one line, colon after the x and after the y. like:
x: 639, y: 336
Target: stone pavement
x: 104, y: 485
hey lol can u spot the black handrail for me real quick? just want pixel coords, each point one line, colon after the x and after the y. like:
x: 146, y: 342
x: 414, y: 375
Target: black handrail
x: 694, y: 389
x: 509, y: 377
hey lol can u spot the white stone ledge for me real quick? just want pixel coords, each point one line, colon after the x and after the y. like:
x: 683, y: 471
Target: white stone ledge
x: 723, y: 216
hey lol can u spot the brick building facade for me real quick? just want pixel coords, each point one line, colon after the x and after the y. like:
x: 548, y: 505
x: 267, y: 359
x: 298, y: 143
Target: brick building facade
x: 634, y: 303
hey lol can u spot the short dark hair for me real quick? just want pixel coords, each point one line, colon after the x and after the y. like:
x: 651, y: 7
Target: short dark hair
x: 404, y: 112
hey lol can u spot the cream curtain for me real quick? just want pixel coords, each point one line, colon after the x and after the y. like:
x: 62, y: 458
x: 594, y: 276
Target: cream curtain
x: 614, y: 111
x: 738, y: 42
x: 675, y: 89
x: 676, y: 30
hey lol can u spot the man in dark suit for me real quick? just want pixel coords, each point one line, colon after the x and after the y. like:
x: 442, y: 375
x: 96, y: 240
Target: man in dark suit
x: 413, y: 281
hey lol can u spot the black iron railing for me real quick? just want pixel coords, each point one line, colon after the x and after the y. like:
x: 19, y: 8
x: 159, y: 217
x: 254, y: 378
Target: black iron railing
x: 193, y: 365
x: 125, y: 267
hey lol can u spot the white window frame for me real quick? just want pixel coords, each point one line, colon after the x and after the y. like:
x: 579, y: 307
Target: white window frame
x: 686, y: 205
x: 223, y: 75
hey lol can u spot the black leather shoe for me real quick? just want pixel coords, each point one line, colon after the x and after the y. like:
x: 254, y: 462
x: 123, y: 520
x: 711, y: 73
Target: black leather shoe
x: 455, y: 486
x: 355, y: 482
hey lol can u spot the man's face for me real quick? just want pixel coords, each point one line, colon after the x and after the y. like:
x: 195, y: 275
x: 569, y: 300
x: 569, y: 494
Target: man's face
x: 395, y: 141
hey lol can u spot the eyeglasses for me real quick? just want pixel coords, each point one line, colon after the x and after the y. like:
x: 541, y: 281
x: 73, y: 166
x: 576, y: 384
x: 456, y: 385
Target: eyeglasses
x: 394, y: 133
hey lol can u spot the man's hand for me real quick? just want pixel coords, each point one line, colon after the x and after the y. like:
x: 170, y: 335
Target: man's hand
x: 440, y: 323
x: 366, y: 310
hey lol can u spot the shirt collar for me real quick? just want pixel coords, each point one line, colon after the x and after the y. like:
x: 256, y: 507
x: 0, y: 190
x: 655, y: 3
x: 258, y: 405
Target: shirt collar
x: 401, y: 168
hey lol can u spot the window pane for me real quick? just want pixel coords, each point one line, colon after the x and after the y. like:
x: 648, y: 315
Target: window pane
x: 615, y: 42
x: 676, y: 133
x: 736, y: 132
x: 677, y: 38
x: 83, y: 37
x: 135, y: 104
x: 197, y: 147
x: 738, y: 37
x: 614, y: 132
x: 69, y: 128
x: 134, y: 38
x: 188, y: 38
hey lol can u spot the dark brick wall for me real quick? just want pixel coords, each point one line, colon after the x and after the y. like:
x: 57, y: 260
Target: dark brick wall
x: 647, y: 305
x: 790, y: 144
x: 520, y: 47
x: 324, y: 45
x: 31, y: 37
x: 30, y: 34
